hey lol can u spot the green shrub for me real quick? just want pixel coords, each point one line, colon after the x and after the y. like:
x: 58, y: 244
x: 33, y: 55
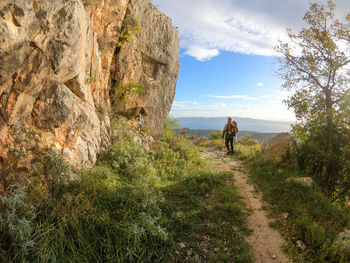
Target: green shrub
x: 131, y: 27
x: 248, y: 141
x: 216, y: 135
x: 17, y: 230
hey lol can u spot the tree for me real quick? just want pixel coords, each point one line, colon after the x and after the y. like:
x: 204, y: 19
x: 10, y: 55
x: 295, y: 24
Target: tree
x: 315, y: 65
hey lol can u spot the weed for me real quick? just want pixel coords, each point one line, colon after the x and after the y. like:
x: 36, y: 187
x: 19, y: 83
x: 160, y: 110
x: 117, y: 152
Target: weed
x: 90, y: 80
x: 81, y: 121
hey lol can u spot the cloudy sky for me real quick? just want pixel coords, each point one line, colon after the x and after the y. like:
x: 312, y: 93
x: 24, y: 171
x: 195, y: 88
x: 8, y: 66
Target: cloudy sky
x: 227, y: 58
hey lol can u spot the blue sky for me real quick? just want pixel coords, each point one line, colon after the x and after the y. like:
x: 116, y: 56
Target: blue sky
x: 227, y: 57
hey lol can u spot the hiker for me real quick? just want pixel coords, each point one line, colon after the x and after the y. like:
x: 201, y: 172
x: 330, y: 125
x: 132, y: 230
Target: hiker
x: 229, y: 132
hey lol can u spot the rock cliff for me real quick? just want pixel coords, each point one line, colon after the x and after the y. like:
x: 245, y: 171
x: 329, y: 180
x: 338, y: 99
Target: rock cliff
x: 60, y: 63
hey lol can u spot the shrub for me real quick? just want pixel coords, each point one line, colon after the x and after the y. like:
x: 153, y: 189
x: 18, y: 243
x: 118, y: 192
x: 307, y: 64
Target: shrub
x: 17, y: 229
x: 131, y: 26
x: 216, y: 135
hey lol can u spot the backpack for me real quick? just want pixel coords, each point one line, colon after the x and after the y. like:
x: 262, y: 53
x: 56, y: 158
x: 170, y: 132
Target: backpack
x: 232, y: 128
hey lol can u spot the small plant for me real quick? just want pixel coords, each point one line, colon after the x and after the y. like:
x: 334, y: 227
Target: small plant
x: 216, y: 135
x: 124, y: 93
x: 55, y: 166
x: 90, y: 80
x: 24, y: 142
x: 101, y: 110
x: 130, y: 28
x: 81, y: 121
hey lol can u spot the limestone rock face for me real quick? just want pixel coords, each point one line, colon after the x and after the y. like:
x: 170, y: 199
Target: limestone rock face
x: 278, y: 147
x: 59, y: 61
x: 152, y: 59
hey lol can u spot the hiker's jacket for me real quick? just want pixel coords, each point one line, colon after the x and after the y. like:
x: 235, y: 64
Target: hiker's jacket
x: 225, y: 131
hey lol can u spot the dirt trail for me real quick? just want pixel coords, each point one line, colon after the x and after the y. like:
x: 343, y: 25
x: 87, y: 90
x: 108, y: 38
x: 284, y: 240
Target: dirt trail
x: 265, y: 241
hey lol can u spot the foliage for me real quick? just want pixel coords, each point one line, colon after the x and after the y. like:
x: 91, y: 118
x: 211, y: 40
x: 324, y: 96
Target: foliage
x: 130, y: 28
x: 122, y: 94
x: 247, y: 141
x: 25, y: 142
x: 215, y: 135
x: 314, y: 64
x: 309, y: 215
x: 90, y: 80
x: 16, y: 227
x: 169, y: 126
x: 102, y: 110
x: 133, y: 206
x: 81, y: 122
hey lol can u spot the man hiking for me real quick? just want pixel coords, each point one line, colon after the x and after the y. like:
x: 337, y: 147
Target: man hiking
x: 229, y: 132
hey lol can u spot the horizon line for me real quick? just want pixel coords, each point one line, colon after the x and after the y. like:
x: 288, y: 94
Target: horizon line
x: 205, y: 117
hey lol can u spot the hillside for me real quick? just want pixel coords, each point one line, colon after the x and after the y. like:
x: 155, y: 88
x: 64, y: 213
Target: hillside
x: 260, y: 136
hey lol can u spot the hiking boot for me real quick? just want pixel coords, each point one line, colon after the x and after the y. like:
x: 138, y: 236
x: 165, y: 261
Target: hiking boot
x: 228, y: 153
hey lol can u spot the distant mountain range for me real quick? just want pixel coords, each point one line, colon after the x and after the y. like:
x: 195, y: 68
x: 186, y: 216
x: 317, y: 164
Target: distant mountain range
x: 244, y: 124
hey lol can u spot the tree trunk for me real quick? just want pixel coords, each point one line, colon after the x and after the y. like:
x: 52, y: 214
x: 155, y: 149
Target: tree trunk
x: 329, y: 174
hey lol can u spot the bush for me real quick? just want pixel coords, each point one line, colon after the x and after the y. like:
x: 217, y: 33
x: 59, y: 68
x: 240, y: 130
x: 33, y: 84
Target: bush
x: 216, y: 135
x: 248, y: 141
x: 17, y: 230
x: 328, y: 168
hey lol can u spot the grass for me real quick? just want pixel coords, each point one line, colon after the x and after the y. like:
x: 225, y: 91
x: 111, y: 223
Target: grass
x: 133, y: 206
x: 210, y: 221
x: 301, y: 213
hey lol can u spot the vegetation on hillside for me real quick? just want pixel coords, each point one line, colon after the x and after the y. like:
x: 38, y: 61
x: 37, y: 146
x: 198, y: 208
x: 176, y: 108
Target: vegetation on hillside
x: 133, y: 206
x: 260, y: 136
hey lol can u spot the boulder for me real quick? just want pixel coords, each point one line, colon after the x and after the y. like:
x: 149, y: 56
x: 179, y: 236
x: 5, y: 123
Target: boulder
x: 343, y: 239
x: 278, y: 147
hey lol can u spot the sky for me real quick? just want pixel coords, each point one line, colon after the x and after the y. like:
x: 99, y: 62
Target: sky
x: 228, y: 64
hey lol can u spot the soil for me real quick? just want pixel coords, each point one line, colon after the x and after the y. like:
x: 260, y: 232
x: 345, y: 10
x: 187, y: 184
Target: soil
x: 266, y: 242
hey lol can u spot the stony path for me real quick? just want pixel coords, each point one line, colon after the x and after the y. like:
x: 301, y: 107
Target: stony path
x: 266, y: 242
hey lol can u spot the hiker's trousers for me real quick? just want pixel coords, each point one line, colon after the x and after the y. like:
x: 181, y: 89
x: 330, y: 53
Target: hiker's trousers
x: 229, y: 143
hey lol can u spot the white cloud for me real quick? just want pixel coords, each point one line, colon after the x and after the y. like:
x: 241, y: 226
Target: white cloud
x: 259, y: 84
x: 248, y: 27
x: 220, y: 105
x: 181, y: 104
x: 202, y: 54
x: 266, y: 96
x: 273, y: 111
x: 244, y: 97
